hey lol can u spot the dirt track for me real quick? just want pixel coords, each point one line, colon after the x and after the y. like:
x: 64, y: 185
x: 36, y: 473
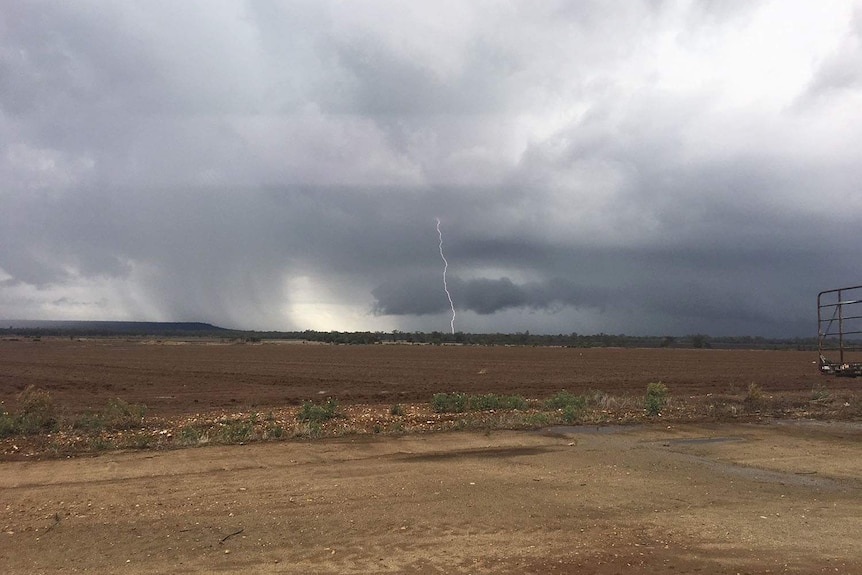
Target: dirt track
x: 780, y: 498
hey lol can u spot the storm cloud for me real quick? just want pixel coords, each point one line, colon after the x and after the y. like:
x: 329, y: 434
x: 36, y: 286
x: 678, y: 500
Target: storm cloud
x: 626, y: 167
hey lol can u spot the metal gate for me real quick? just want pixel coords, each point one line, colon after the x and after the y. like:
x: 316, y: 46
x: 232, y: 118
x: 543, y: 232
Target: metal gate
x: 839, y: 331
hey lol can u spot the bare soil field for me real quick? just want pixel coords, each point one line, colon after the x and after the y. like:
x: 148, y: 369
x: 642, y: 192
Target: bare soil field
x: 174, y: 377
x: 683, y: 493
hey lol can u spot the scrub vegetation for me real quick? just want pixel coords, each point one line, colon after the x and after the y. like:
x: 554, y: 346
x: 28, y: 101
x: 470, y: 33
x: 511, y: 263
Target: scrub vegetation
x: 38, y: 427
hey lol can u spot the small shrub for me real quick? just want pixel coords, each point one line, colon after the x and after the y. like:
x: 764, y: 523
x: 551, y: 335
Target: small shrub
x: 514, y: 402
x: 140, y: 442
x: 89, y: 421
x: 598, y: 398
x: 36, y: 412
x: 99, y: 443
x: 571, y: 414
x: 308, y: 429
x: 460, y: 402
x: 274, y: 431
x: 449, y: 402
x: 656, y: 398
x: 537, y: 419
x: 396, y: 410
x: 119, y: 414
x: 9, y: 425
x: 236, y: 431
x: 485, y: 402
x: 754, y: 396
x: 491, y: 401
x: 564, y: 399
x: 313, y: 413
x: 820, y: 393
x: 191, y: 435
x: 116, y: 415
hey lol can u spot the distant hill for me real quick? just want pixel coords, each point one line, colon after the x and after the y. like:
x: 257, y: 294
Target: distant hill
x: 54, y: 327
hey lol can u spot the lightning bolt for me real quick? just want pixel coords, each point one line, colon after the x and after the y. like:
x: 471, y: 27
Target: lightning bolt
x: 445, y: 286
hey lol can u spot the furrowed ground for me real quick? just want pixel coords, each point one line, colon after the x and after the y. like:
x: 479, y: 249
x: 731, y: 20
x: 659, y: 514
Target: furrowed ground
x: 180, y: 377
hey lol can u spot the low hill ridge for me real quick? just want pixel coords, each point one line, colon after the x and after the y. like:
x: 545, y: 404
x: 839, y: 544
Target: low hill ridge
x: 112, y: 327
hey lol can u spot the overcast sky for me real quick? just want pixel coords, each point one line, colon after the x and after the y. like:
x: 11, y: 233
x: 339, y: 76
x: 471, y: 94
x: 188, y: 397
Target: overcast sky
x: 637, y: 167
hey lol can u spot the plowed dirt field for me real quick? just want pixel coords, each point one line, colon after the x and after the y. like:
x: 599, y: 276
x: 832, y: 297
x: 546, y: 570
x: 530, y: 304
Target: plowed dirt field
x: 178, y: 377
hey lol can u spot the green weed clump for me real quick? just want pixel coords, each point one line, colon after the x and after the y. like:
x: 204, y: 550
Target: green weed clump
x: 274, y: 431
x: 236, y: 431
x: 492, y: 401
x: 537, y: 420
x: 461, y: 402
x: 565, y: 399
x: 514, y: 402
x: 36, y: 411
x: 192, y: 435
x: 656, y: 398
x: 8, y: 424
x: 449, y: 402
x: 119, y: 414
x: 311, y: 412
x: 115, y: 416
x: 571, y: 414
x: 89, y: 421
x: 35, y: 414
x: 308, y: 429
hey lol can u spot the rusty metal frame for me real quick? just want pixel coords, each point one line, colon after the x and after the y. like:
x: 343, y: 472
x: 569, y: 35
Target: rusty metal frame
x: 842, y: 306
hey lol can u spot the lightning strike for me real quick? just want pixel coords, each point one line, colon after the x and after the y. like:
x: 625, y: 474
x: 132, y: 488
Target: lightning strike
x: 445, y: 286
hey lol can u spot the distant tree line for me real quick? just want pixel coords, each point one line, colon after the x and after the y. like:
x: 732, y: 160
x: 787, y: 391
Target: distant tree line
x: 153, y: 329
x: 697, y: 341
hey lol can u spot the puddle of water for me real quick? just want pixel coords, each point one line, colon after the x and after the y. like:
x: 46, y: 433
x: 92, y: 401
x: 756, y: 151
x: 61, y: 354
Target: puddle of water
x: 565, y: 430
x: 486, y: 452
x: 832, y: 426
x: 810, y: 480
x: 703, y: 440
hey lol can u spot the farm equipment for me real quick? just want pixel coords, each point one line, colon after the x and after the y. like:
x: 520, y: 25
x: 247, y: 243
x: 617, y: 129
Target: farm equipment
x: 839, y: 331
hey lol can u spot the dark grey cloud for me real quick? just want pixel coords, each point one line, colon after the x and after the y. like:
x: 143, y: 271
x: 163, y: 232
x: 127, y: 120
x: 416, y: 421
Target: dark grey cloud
x: 637, y: 167
x: 484, y: 296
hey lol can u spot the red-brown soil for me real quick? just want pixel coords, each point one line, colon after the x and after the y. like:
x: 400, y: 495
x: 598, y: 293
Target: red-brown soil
x: 181, y: 378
